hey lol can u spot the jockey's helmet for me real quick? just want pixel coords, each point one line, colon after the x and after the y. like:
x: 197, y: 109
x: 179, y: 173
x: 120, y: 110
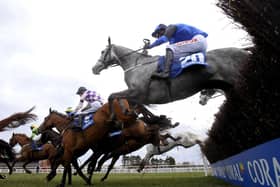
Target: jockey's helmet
x: 33, y: 126
x: 69, y: 110
x: 160, y: 27
x: 81, y: 90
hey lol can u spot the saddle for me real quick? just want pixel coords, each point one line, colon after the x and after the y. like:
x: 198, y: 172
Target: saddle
x: 182, y: 62
x: 83, y: 121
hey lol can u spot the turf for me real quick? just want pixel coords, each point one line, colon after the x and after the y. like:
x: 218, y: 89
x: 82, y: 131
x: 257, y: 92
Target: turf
x: 121, y: 180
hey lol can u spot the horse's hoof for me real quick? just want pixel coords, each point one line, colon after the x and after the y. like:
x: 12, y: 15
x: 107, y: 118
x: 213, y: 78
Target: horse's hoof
x: 50, y: 176
x: 175, y: 125
x: 89, y: 182
x: 3, y: 176
x: 28, y: 172
x: 102, y: 180
x: 60, y: 185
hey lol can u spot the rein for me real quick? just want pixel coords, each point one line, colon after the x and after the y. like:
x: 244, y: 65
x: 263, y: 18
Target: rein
x: 139, y: 65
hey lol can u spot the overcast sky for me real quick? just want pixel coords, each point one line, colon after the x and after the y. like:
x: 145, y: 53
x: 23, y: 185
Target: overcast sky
x: 47, y: 50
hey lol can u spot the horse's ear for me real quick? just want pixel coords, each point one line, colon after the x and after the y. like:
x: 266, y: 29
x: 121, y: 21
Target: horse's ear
x: 50, y: 110
x: 109, y: 41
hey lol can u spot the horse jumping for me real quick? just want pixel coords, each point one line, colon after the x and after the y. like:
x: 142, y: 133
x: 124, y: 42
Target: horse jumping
x: 221, y: 73
x: 185, y: 139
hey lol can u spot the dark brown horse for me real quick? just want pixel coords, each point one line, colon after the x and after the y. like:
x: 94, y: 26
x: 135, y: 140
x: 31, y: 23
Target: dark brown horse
x: 6, y: 155
x: 18, y: 119
x: 130, y: 139
x: 76, y: 142
x: 28, y: 155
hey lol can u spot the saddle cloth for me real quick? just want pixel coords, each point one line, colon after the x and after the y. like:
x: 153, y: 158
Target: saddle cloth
x: 183, y: 62
x: 87, y: 120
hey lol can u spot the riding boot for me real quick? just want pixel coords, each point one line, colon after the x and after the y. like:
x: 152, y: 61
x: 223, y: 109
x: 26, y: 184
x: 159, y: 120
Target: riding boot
x: 167, y: 65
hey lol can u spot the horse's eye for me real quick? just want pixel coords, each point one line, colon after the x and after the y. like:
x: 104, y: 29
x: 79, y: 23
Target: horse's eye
x: 102, y: 52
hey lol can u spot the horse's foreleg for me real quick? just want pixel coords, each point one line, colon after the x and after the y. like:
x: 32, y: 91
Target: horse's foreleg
x: 115, y: 158
x: 70, y: 176
x: 105, y: 157
x: 65, y: 171
x: 6, y: 161
x: 24, y: 167
x: 76, y: 166
x: 84, y: 164
x: 144, y: 161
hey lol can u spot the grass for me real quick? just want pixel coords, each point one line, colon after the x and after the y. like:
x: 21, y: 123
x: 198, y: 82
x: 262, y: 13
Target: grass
x: 121, y: 180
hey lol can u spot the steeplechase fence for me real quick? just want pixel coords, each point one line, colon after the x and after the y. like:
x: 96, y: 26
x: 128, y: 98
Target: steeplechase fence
x: 258, y: 166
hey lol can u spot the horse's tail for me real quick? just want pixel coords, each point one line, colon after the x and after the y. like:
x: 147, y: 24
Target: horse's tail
x: 21, y: 118
x: 6, y: 150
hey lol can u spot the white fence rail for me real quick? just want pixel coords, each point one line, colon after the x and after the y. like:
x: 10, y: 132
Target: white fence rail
x: 120, y: 169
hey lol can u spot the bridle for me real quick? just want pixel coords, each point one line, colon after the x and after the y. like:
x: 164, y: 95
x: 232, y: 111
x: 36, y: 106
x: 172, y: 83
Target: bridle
x: 108, y: 55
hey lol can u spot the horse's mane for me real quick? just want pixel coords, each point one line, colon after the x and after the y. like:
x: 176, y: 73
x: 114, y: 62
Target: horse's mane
x: 59, y: 113
x: 20, y: 117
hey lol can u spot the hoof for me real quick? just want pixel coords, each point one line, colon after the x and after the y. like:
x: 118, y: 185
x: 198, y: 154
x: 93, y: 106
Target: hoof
x: 3, y: 176
x: 50, y: 176
x: 29, y: 172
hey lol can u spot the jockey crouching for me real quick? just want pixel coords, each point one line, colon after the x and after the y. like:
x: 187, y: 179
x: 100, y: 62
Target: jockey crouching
x: 183, y: 39
x: 94, y: 102
x: 35, y: 137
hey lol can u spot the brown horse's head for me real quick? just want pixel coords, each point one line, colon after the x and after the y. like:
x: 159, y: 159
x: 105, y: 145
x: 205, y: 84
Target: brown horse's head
x: 54, y: 119
x: 22, y: 139
x: 123, y: 111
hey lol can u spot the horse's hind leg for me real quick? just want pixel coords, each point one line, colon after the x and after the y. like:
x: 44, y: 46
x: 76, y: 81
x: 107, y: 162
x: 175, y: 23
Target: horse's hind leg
x: 144, y: 161
x: 167, y: 135
x: 115, y: 158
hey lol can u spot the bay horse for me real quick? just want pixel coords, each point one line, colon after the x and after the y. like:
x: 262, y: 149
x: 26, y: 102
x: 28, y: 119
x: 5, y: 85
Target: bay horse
x: 221, y: 73
x: 6, y: 155
x: 185, y: 139
x: 28, y: 155
x: 18, y: 119
x: 130, y: 139
x: 76, y: 142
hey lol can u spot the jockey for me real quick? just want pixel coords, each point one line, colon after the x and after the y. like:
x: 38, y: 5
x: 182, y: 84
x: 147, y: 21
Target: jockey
x: 69, y: 111
x: 93, y: 99
x: 183, y: 39
x: 35, y: 136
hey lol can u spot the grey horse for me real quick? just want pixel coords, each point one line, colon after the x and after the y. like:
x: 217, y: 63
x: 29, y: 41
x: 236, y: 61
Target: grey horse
x: 186, y: 140
x: 221, y: 73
